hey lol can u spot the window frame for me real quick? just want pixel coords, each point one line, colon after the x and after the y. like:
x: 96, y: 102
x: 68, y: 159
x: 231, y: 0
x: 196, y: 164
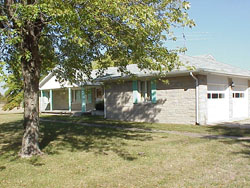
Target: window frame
x: 144, y: 90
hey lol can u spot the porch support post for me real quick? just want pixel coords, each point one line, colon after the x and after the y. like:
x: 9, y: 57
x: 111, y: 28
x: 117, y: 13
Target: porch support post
x: 51, y: 99
x: 83, y: 100
x: 105, y: 102
x: 70, y: 100
x: 41, y: 101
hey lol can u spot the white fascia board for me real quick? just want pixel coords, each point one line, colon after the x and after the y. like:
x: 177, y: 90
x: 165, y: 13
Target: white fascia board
x: 45, y: 79
x: 224, y: 74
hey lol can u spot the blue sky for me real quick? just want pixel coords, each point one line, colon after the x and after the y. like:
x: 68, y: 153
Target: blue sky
x: 222, y: 30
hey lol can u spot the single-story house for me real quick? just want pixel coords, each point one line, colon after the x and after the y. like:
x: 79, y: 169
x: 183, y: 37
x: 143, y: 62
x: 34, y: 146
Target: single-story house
x: 212, y: 92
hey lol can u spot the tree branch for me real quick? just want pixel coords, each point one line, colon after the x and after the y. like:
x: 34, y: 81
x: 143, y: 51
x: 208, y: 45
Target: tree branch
x: 1, y: 14
x: 9, y: 11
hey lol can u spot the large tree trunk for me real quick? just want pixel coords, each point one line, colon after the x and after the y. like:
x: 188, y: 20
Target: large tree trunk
x: 30, y: 140
x: 31, y: 74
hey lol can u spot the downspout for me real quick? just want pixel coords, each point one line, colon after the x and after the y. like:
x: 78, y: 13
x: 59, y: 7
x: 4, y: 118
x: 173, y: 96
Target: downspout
x: 196, y: 97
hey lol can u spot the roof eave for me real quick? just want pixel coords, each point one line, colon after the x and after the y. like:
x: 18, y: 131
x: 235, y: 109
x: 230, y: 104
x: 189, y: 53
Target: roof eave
x: 207, y: 71
x: 149, y: 75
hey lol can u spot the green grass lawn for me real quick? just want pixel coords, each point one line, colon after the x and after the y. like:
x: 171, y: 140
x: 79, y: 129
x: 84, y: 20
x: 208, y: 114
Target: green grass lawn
x: 78, y: 156
x: 216, y: 130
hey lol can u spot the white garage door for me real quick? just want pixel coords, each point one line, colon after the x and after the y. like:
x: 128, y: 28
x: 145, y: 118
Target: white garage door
x: 218, y: 103
x: 240, y: 98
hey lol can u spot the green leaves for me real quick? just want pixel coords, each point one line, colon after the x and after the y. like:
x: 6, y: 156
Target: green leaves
x: 186, y: 5
x: 74, y: 34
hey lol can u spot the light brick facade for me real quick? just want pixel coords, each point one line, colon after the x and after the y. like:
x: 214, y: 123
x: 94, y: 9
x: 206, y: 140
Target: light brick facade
x: 202, y: 99
x: 175, y: 102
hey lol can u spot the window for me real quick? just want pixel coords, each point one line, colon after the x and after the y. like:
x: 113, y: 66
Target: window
x: 89, y: 95
x: 221, y: 95
x: 145, y: 91
x: 99, y: 93
x: 216, y: 95
x: 76, y: 96
x: 238, y: 95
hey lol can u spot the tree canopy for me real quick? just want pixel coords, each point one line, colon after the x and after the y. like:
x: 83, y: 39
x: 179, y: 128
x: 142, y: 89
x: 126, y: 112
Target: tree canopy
x: 74, y: 33
x: 37, y: 35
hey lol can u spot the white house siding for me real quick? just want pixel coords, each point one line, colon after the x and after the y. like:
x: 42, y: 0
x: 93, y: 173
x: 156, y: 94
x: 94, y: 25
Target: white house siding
x: 175, y: 102
x: 51, y: 83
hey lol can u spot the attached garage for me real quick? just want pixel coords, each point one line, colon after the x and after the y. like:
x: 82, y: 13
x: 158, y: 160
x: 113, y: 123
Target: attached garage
x: 217, y: 99
x: 227, y: 98
x: 240, y: 98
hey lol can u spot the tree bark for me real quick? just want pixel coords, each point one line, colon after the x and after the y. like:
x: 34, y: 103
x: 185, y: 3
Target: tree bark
x: 31, y: 74
x: 30, y: 139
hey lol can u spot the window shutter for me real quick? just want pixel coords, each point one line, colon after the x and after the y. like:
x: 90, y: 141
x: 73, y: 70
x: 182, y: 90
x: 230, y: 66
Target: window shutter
x: 135, y: 91
x: 153, y: 91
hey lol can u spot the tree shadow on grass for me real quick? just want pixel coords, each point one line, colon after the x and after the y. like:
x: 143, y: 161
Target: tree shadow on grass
x: 75, y: 137
x: 245, y: 152
x: 11, y: 139
x: 237, y: 130
x: 57, y: 137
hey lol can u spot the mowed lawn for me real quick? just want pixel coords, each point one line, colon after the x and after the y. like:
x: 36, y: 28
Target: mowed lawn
x: 79, y: 156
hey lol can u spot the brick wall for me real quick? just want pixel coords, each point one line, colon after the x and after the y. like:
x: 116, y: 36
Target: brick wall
x: 175, y: 102
x: 202, y: 99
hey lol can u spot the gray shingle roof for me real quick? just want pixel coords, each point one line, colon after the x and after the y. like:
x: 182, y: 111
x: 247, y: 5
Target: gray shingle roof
x: 207, y: 63
x: 203, y: 64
